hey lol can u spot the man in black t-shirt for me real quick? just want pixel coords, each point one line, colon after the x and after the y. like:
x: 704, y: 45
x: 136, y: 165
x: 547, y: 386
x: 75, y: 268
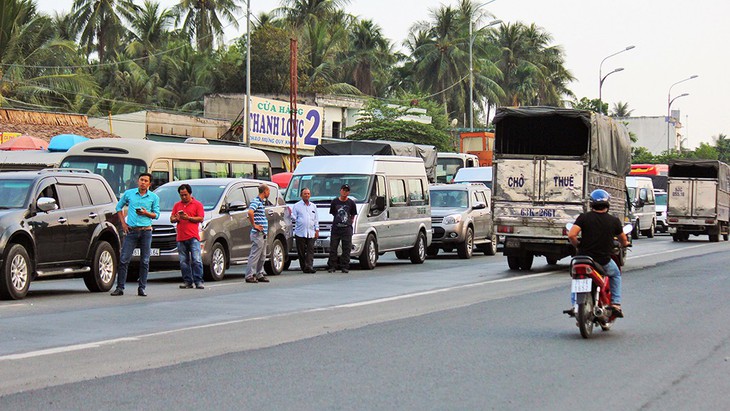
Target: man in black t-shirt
x: 343, y: 211
x: 598, y: 230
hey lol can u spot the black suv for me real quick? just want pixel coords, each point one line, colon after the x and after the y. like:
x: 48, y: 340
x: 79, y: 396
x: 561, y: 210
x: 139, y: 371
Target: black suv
x: 57, y: 223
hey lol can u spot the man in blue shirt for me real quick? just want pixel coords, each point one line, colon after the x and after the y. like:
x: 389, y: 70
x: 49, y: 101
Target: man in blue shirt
x: 306, y: 230
x: 259, y: 228
x: 142, y: 207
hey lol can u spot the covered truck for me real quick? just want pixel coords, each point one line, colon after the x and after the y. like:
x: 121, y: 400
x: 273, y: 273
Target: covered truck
x: 546, y: 163
x: 383, y: 148
x: 698, y: 199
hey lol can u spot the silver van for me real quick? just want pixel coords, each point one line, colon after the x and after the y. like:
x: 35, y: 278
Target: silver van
x: 643, y: 205
x: 391, y: 193
x: 475, y: 175
x: 225, y: 230
x: 462, y: 219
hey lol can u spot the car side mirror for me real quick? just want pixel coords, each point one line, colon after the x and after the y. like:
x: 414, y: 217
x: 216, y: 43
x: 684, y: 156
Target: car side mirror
x: 46, y: 204
x: 479, y: 205
x: 380, y: 203
x: 236, y: 206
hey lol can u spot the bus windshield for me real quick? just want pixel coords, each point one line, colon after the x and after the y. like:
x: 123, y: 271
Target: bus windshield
x: 325, y: 187
x: 120, y: 173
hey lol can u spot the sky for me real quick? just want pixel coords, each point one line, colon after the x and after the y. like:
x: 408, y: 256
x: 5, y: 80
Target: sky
x: 673, y: 41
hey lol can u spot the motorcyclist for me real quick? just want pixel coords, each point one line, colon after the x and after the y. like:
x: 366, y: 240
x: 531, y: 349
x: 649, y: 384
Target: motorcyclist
x: 599, y: 228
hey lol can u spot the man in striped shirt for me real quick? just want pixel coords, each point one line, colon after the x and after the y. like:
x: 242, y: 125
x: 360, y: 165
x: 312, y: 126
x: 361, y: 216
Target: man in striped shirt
x: 259, y: 228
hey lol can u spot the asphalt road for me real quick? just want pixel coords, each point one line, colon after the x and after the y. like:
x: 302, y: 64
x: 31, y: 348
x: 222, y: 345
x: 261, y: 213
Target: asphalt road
x: 448, y: 334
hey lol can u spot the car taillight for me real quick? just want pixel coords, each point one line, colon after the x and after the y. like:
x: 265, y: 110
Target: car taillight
x: 507, y: 229
x: 710, y: 221
x: 673, y: 220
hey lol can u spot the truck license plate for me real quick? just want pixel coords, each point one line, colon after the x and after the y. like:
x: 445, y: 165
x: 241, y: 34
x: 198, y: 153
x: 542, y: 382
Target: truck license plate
x: 512, y: 243
x: 155, y: 252
x: 582, y: 285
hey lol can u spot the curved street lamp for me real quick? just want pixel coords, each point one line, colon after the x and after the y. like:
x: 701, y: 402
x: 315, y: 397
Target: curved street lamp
x: 600, y: 72
x: 670, y: 101
x: 600, y: 86
x: 471, y: 58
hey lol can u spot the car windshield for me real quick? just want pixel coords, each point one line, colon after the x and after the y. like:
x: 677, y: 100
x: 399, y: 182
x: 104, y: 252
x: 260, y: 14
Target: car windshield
x: 14, y: 193
x: 661, y: 199
x: 120, y: 173
x: 325, y: 187
x: 206, y: 194
x: 449, y: 198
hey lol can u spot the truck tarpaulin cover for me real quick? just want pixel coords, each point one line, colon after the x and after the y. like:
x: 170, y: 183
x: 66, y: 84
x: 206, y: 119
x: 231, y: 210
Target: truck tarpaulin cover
x: 551, y: 131
x: 701, y: 169
x: 382, y: 148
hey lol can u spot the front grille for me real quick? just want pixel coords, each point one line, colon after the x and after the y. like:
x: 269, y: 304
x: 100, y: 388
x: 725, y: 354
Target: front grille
x: 325, y: 226
x: 437, y: 220
x: 164, y: 237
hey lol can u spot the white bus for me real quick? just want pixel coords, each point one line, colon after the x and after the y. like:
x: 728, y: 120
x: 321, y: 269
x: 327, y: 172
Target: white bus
x: 121, y: 160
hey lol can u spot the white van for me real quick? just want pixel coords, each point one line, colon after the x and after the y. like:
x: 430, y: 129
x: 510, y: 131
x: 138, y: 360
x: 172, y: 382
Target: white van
x: 448, y: 164
x: 475, y: 175
x: 643, y: 205
x: 393, y: 206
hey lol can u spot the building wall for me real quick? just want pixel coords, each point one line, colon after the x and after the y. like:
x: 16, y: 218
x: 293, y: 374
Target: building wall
x: 141, y: 123
x: 130, y: 125
x: 651, y: 132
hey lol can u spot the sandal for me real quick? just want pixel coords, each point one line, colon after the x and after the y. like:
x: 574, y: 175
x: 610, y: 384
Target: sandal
x: 617, y: 312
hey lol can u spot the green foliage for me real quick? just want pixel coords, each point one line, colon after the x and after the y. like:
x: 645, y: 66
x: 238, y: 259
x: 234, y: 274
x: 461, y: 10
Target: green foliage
x: 594, y: 105
x: 381, y: 121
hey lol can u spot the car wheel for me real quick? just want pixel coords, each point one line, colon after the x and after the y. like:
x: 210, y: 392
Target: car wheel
x: 287, y: 264
x: 103, y: 269
x: 636, y: 232
x: 275, y: 265
x: 418, y: 252
x: 15, y: 274
x: 650, y: 232
x: 466, y: 248
x: 432, y: 251
x: 492, y: 248
x: 218, y: 259
x: 403, y: 254
x: 369, y: 256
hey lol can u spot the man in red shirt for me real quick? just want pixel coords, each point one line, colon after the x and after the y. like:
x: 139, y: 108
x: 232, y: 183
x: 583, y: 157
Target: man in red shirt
x: 188, y: 213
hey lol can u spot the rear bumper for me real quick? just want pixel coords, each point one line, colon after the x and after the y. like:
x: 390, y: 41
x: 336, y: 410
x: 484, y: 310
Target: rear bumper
x: 555, y: 247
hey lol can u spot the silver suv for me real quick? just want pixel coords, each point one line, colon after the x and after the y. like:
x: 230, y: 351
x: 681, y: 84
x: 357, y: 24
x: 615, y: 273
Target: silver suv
x: 461, y: 218
x: 224, y: 232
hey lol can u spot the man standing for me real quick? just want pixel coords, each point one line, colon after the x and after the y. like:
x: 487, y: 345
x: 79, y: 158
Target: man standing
x: 259, y: 228
x: 306, y: 230
x: 343, y: 211
x: 142, y: 207
x: 188, y: 213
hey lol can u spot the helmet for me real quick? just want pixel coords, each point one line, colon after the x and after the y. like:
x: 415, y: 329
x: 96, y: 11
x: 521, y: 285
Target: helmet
x: 600, y: 199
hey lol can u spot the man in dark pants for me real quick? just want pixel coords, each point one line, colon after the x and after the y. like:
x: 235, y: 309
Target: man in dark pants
x: 306, y: 230
x: 343, y: 211
x: 142, y: 207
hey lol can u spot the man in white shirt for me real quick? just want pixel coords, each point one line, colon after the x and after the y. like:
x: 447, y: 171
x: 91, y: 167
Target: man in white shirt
x: 306, y: 230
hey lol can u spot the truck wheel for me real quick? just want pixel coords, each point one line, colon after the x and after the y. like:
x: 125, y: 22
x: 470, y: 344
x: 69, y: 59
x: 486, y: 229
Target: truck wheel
x: 650, y: 232
x: 526, y: 262
x: 103, y: 270
x: 275, y: 265
x: 466, y: 248
x: 369, y: 256
x: 714, y: 238
x: 725, y: 237
x: 675, y: 237
x: 551, y: 260
x: 217, y: 268
x: 513, y: 262
x: 15, y: 274
x: 418, y: 252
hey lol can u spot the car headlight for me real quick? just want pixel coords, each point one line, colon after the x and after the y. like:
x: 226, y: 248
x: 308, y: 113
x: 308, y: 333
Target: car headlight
x: 452, y: 219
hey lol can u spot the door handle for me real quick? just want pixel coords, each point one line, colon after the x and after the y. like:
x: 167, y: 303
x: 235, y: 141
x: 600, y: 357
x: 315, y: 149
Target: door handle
x: 62, y: 220
x: 92, y: 215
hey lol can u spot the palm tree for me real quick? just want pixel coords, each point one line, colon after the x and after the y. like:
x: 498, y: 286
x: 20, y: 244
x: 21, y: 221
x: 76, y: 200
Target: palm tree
x: 32, y: 58
x: 103, y: 23
x: 149, y: 33
x: 300, y: 12
x: 202, y: 19
x: 368, y: 57
x: 621, y: 110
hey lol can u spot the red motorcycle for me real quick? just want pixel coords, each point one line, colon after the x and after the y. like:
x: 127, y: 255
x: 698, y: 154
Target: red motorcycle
x: 592, y: 290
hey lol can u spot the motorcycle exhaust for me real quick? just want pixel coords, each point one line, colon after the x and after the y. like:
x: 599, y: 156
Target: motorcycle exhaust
x: 599, y: 311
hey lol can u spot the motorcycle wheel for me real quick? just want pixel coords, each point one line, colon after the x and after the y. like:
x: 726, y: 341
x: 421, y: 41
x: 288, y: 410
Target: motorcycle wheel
x: 607, y: 326
x: 585, y: 317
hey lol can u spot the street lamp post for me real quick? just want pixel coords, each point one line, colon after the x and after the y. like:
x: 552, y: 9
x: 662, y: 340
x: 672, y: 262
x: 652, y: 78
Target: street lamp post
x: 670, y: 101
x: 471, y: 61
x: 600, y: 73
x: 247, y: 106
x: 600, y: 86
